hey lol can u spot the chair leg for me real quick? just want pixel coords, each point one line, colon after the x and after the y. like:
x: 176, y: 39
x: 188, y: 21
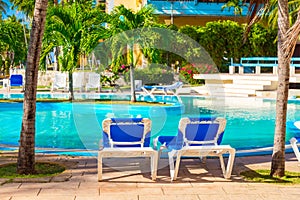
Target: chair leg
x: 171, y: 155
x: 99, y: 167
x: 293, y: 142
x: 222, y: 164
x: 177, y: 165
x: 154, y: 162
x: 230, y: 162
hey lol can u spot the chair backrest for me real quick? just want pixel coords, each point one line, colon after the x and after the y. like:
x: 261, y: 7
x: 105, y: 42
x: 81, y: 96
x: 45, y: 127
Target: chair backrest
x: 175, y: 86
x: 94, y: 80
x: 126, y: 132
x: 60, y: 80
x: 16, y: 80
x: 78, y: 78
x: 202, y: 131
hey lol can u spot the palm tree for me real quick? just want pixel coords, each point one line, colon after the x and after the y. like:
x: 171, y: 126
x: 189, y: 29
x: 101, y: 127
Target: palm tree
x: 287, y: 38
x: 77, y: 29
x: 237, y: 6
x: 3, y: 7
x: 13, y: 46
x: 26, y: 155
x: 122, y: 20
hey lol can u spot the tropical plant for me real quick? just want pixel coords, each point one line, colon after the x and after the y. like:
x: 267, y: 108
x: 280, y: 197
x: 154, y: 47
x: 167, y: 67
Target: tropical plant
x: 122, y: 20
x: 237, y: 6
x: 26, y: 154
x: 3, y: 7
x: 13, y: 47
x: 77, y: 29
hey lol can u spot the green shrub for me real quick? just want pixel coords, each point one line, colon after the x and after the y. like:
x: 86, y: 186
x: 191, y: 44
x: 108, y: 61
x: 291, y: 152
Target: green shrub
x: 187, y: 72
x: 155, y: 75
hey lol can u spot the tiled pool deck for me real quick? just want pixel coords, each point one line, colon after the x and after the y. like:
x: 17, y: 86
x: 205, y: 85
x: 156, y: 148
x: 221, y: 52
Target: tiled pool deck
x: 130, y: 180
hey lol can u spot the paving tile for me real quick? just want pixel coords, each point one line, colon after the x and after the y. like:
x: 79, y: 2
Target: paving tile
x: 68, y: 192
x: 212, y: 197
x: 294, y: 190
x: 19, y: 192
x: 119, y: 197
x: 205, y: 189
x: 245, y: 197
x: 164, y: 185
x: 5, y: 197
x: 168, y: 197
x: 89, y: 197
x: 279, y: 197
x: 55, y: 197
x: 131, y: 191
x: 59, y: 185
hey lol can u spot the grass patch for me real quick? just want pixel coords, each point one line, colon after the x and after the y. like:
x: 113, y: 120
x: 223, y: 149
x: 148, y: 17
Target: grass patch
x: 263, y: 176
x: 42, y: 170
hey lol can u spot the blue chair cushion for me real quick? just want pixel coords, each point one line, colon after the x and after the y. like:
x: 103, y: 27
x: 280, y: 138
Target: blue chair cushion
x: 16, y: 80
x: 127, y: 130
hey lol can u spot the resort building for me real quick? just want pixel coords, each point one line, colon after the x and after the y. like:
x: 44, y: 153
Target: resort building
x: 182, y: 12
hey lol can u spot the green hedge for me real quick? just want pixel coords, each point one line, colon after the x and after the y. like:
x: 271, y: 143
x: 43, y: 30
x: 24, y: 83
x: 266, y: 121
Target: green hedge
x: 224, y: 40
x: 154, y: 76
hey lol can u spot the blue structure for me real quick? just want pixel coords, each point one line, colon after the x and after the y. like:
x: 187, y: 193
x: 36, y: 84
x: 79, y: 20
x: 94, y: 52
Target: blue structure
x: 195, y: 11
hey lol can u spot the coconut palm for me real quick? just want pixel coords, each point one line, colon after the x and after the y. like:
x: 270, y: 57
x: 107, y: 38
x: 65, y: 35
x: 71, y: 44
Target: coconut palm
x: 77, y: 29
x: 287, y: 38
x: 237, y: 6
x: 3, y: 7
x: 26, y: 155
x: 122, y: 20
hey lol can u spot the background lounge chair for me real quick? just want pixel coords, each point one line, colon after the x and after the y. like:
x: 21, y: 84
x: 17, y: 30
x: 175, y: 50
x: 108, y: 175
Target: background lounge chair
x: 78, y: 78
x: 93, y: 82
x: 16, y: 80
x: 127, y: 137
x: 198, y: 137
x: 60, y: 82
x: 149, y: 90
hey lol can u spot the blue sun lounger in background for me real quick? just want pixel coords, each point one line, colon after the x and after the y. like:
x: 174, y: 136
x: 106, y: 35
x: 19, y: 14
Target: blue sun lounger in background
x: 197, y: 137
x: 150, y: 89
x: 16, y: 80
x: 295, y: 128
x: 126, y: 137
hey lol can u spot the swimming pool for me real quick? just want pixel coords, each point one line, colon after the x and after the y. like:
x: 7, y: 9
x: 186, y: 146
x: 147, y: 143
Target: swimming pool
x: 250, y: 121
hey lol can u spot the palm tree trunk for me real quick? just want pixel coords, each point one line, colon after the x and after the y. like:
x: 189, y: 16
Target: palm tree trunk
x: 278, y: 157
x: 26, y: 156
x: 71, y: 85
x: 132, y: 86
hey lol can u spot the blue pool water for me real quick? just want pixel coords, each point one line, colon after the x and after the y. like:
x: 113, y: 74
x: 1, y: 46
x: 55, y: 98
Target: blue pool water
x: 250, y: 122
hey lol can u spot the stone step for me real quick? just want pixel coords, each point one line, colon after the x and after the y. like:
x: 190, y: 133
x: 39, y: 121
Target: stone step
x: 234, y: 90
x: 236, y: 86
x: 230, y: 94
x: 252, y: 82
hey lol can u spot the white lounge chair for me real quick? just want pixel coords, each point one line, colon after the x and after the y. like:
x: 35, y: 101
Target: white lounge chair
x: 78, y: 78
x: 198, y: 137
x: 294, y: 141
x: 93, y: 82
x: 60, y: 82
x: 127, y: 137
x: 165, y: 89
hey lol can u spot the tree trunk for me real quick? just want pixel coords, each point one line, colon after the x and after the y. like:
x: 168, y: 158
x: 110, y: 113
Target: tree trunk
x: 132, y: 85
x: 278, y: 157
x: 71, y: 85
x: 26, y: 157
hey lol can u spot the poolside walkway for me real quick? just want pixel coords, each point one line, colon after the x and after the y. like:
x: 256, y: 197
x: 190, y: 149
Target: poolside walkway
x: 125, y: 180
